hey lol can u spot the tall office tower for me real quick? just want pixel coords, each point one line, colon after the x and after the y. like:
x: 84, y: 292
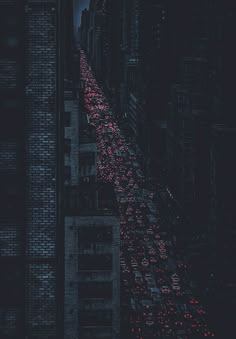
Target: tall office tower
x: 187, y: 114
x: 154, y: 54
x: 222, y: 66
x: 113, y: 31
x: 12, y: 176
x: 69, y: 40
x: 131, y: 58
x: 222, y: 232
x: 100, y: 18
x: 145, y: 76
x: 90, y: 45
x: 125, y: 44
x: 189, y: 111
x: 154, y: 18
x: 31, y: 303
x: 84, y: 29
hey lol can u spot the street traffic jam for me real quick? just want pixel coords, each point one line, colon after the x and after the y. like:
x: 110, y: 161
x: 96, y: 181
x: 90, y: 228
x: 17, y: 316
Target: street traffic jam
x: 155, y: 285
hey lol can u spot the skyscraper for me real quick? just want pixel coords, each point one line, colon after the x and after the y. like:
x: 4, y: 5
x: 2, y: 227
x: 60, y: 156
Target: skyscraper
x: 30, y: 88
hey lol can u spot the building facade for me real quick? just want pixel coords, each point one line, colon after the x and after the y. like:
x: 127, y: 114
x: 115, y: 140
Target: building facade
x: 31, y: 225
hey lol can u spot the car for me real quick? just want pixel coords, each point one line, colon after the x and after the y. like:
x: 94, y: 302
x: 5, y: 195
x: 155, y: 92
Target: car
x: 151, y: 283
x: 149, y: 321
x: 180, y: 332
x: 153, y: 260
x: 134, y: 264
x: 146, y: 303
x: 152, y: 251
x: 165, y: 290
x: 138, y: 277
x: 155, y: 291
x: 175, y: 286
x: 145, y: 262
x: 147, y: 276
x: 126, y: 270
x: 133, y: 304
x: 148, y: 244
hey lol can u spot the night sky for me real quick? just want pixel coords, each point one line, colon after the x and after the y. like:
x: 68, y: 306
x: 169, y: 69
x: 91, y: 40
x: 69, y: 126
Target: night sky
x: 79, y: 5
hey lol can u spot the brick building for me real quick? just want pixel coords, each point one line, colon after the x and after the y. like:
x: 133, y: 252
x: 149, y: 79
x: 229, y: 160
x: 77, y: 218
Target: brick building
x: 31, y: 228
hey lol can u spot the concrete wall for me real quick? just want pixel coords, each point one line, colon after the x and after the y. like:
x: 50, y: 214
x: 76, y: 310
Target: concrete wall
x: 73, y: 276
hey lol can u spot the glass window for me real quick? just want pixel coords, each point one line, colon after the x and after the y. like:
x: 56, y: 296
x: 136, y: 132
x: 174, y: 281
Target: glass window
x: 95, y: 318
x: 9, y: 196
x: 67, y: 146
x: 67, y: 119
x: 95, y: 289
x: 67, y: 174
x: 95, y: 262
x: 11, y: 283
x: 95, y: 234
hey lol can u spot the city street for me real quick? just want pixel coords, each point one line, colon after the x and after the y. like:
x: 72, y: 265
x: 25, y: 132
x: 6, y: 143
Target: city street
x: 155, y: 285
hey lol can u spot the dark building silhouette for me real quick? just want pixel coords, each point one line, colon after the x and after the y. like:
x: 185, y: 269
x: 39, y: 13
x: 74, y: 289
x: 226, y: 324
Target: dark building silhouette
x: 168, y: 70
x: 199, y: 150
x: 222, y: 273
x: 12, y: 219
x: 175, y: 87
x: 84, y: 28
x: 30, y: 95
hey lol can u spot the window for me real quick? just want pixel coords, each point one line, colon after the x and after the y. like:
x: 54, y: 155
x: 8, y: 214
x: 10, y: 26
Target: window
x: 10, y: 196
x: 96, y: 333
x: 67, y: 119
x: 10, y: 106
x: 67, y: 174
x: 95, y: 262
x: 95, y: 234
x: 67, y: 146
x: 11, y: 283
x: 95, y: 289
x: 95, y: 318
x: 9, y: 36
x: 87, y: 159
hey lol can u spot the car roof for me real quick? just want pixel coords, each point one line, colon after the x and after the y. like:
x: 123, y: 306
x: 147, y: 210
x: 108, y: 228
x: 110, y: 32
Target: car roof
x: 155, y: 289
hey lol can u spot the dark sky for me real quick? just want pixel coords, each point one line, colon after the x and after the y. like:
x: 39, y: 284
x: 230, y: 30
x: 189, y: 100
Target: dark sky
x: 79, y: 5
